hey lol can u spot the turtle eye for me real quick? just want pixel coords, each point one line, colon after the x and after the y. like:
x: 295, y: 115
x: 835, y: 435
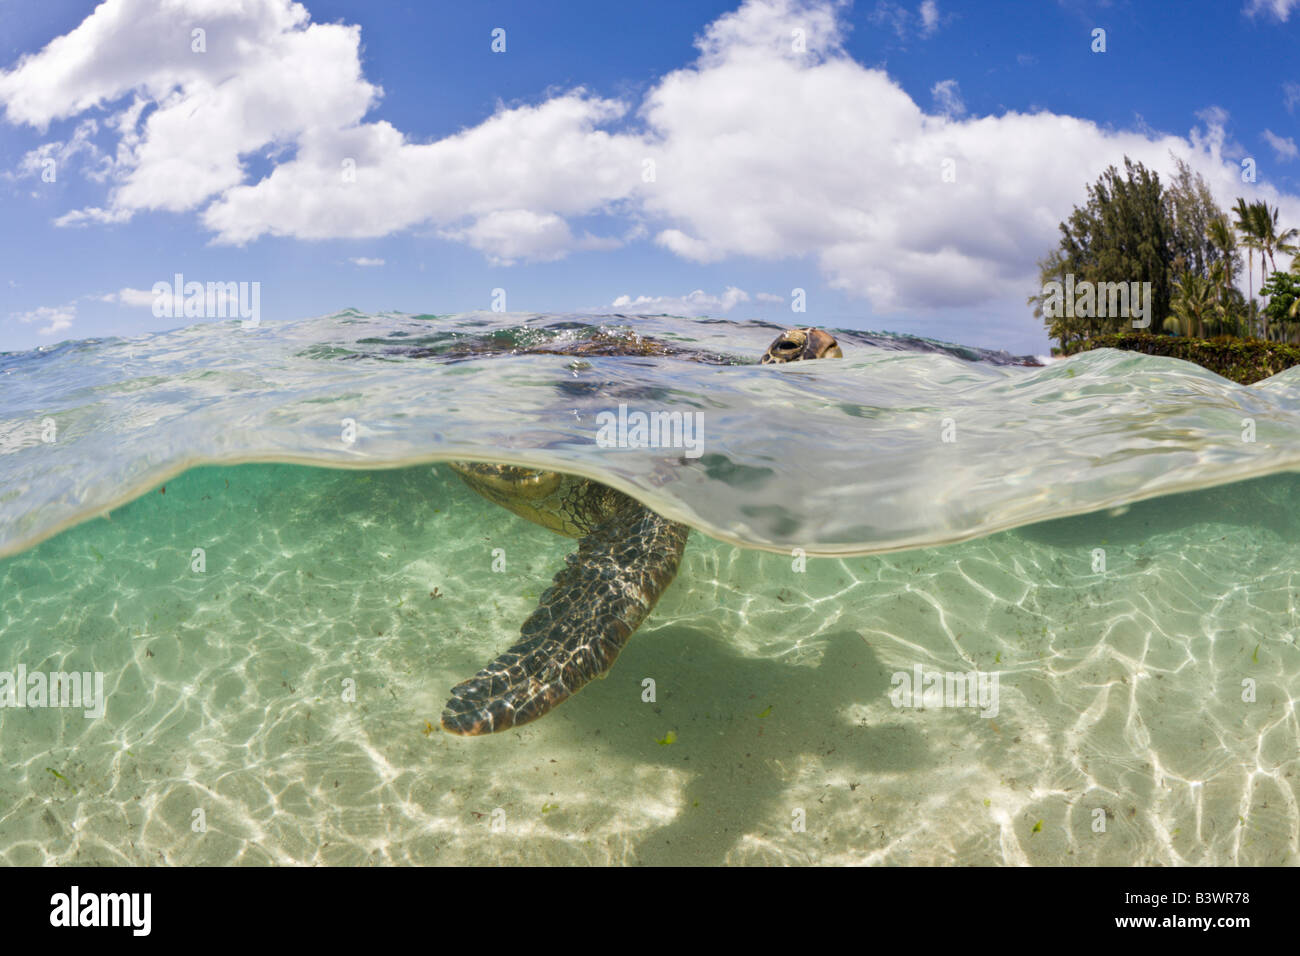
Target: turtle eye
x: 785, y: 345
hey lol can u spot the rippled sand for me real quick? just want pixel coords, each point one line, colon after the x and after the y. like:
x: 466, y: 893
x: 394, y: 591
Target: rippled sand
x: 1120, y: 691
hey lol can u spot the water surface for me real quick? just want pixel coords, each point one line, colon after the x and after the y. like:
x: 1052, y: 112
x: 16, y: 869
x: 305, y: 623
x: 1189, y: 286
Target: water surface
x: 1047, y: 543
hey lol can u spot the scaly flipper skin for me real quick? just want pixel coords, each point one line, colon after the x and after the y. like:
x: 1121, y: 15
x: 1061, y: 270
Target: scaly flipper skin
x: 626, y: 557
x: 581, y: 624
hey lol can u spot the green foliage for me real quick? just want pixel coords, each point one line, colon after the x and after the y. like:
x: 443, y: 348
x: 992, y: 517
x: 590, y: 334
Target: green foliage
x: 1200, y: 236
x: 1283, y: 309
x: 1133, y: 230
x: 1121, y: 234
x: 1241, y: 360
x: 1258, y: 224
x: 1193, y: 302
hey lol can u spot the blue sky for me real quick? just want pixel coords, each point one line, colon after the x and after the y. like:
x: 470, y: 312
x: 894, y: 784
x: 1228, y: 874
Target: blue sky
x: 775, y: 167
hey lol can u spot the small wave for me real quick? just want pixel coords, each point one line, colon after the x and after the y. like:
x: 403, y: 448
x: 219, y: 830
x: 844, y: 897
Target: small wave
x: 905, y: 442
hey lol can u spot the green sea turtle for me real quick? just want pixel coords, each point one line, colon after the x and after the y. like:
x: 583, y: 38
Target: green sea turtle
x: 627, y: 555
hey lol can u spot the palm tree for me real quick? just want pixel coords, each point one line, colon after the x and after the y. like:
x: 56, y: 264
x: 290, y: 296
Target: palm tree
x: 1218, y: 282
x: 1271, y: 239
x: 1219, y: 231
x: 1257, y: 222
x: 1193, y: 300
x: 1247, y: 225
x: 1223, y: 271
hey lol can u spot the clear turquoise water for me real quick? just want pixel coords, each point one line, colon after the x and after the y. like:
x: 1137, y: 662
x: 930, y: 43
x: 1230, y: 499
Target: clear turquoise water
x: 1121, y: 690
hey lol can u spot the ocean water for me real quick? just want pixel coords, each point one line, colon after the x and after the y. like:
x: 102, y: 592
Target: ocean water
x: 278, y: 612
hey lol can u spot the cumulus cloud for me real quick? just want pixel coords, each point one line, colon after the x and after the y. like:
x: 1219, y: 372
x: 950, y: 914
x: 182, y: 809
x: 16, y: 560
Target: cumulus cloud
x: 366, y: 261
x: 1284, y: 146
x: 265, y: 76
x: 508, y: 235
x: 768, y: 297
x: 696, y: 303
x: 58, y: 317
x: 774, y: 157
x: 755, y: 149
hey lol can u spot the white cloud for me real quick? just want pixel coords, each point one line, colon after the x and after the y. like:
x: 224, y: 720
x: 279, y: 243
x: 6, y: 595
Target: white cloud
x: 688, y: 247
x: 1279, y: 8
x: 1284, y: 146
x: 1290, y: 96
x: 768, y: 297
x: 696, y: 303
x: 59, y: 317
x: 217, y: 298
x: 891, y: 15
x: 947, y: 96
x: 507, y: 235
x: 759, y: 151
x: 929, y: 12
x: 773, y: 158
x: 52, y: 158
x: 366, y: 261
x: 266, y: 77
x: 132, y: 297
x: 762, y: 30
x: 898, y: 18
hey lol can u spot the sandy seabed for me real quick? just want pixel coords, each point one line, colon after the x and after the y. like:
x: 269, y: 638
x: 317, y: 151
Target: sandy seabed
x: 1124, y: 733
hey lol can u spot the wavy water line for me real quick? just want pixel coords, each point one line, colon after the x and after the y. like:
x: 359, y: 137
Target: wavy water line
x: 839, y: 457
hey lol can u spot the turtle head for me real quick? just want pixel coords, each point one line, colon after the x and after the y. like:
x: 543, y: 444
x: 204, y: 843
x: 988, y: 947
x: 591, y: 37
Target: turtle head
x: 507, y: 481
x: 796, y: 345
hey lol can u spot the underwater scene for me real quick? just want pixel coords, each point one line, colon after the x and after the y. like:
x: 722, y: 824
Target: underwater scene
x: 938, y: 605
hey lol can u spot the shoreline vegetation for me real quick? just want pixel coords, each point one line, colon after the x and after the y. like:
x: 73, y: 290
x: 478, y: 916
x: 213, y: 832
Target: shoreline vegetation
x: 1171, y: 248
x: 1244, y: 361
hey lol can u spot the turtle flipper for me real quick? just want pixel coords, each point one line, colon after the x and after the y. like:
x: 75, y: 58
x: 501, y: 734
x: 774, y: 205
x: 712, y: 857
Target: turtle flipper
x: 583, y: 620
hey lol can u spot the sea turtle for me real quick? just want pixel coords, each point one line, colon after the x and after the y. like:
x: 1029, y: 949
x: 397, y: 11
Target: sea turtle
x: 627, y: 555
